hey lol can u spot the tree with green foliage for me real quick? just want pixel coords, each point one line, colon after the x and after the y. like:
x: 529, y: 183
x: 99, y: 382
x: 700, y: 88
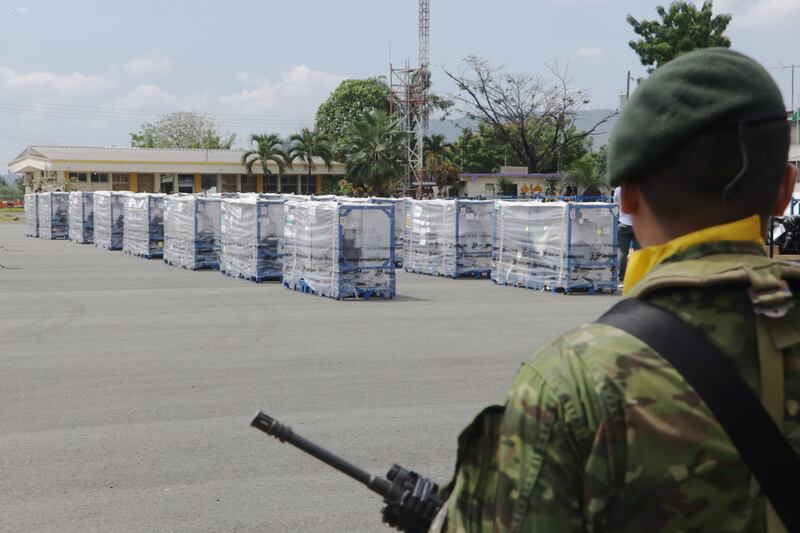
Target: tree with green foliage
x: 534, y: 117
x: 682, y: 28
x: 586, y: 178
x: 376, y: 160
x: 5, y: 188
x: 266, y: 148
x: 439, y: 162
x: 480, y: 151
x: 308, y: 145
x: 347, y: 103
x: 182, y: 130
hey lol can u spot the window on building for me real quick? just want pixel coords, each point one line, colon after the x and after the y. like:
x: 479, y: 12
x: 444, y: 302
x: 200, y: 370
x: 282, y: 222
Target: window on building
x: 308, y: 185
x: 167, y: 181
x: 289, y: 184
x: 208, y: 181
x: 186, y: 183
x: 99, y: 177
x: 270, y: 183
x: 229, y: 183
x: 489, y: 189
x: 78, y: 176
x: 146, y: 183
x: 120, y: 182
x: 248, y: 183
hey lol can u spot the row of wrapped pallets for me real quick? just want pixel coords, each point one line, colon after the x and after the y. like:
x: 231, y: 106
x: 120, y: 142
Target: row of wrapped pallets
x: 346, y: 247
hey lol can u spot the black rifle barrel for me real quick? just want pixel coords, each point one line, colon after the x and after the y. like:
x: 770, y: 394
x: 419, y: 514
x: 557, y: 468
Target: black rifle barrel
x: 283, y: 433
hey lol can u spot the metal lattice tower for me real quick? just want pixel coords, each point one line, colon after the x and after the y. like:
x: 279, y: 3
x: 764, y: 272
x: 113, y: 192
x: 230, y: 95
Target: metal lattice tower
x: 409, y: 101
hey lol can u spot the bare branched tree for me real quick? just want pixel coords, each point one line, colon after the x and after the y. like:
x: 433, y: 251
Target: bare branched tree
x: 534, y: 115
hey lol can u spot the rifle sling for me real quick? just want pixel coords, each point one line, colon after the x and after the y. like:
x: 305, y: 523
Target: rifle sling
x: 762, y: 446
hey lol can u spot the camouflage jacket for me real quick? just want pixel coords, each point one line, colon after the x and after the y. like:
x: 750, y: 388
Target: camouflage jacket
x: 600, y: 433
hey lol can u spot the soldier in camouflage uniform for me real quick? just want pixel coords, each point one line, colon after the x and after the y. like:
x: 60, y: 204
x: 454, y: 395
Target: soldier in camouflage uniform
x: 599, y: 432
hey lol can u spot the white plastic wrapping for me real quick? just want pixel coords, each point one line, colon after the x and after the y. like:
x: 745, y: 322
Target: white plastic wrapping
x: 339, y: 249
x: 53, y: 217
x: 399, y: 226
x: 192, y: 231
x: 251, y: 233
x: 81, y: 217
x: 555, y: 245
x: 32, y: 215
x: 109, y: 221
x: 143, y: 233
x: 448, y: 237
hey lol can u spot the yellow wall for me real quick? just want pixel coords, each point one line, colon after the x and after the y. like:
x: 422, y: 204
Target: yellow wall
x: 319, y: 183
x: 259, y: 184
x: 198, y: 183
x: 133, y: 181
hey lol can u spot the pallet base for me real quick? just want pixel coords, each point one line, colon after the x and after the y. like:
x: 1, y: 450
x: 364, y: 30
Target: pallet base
x: 471, y: 274
x: 156, y: 255
x: 197, y: 267
x: 254, y: 279
x: 584, y: 289
x: 361, y: 294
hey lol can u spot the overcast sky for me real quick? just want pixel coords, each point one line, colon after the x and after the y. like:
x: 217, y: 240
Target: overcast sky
x: 82, y: 72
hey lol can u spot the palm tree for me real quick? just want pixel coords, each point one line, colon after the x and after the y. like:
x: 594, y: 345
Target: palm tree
x: 584, y: 174
x: 377, y: 152
x: 439, y: 162
x: 307, y: 145
x: 266, y: 147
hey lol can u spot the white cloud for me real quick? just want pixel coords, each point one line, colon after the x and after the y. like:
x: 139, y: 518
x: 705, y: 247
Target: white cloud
x: 74, y: 84
x: 154, y: 98
x: 153, y: 62
x: 588, y: 54
x: 298, y: 91
x: 759, y: 14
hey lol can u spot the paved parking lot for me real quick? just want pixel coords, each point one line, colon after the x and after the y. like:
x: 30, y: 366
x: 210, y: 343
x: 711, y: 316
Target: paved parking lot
x: 127, y: 387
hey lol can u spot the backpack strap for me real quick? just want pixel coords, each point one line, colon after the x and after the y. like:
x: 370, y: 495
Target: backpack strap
x: 758, y: 439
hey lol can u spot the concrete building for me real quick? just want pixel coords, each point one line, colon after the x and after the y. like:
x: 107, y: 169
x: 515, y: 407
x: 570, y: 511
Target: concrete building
x: 526, y: 184
x: 160, y: 170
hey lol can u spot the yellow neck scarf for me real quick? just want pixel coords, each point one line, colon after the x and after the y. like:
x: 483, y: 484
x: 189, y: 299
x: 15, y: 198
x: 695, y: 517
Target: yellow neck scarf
x: 643, y: 261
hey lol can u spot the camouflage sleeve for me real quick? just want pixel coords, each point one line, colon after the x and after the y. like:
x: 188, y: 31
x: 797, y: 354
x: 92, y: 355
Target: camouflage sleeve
x: 543, y: 445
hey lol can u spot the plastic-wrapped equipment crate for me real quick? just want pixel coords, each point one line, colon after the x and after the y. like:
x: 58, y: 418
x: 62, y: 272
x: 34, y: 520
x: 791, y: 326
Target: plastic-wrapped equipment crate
x: 53, y: 216
x: 81, y: 217
x: 192, y: 231
x: 340, y: 249
x: 556, y: 245
x: 143, y: 234
x: 448, y: 237
x: 31, y: 215
x: 109, y: 221
x: 251, y: 234
x: 399, y: 226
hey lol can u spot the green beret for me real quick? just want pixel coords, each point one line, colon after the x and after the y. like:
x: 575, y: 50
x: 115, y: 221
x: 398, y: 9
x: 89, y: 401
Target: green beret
x: 704, y: 90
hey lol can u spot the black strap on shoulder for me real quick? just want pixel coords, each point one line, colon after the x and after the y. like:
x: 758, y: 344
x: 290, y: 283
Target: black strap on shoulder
x: 736, y: 407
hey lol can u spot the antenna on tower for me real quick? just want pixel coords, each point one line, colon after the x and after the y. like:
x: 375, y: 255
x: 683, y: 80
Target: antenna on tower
x: 409, y: 101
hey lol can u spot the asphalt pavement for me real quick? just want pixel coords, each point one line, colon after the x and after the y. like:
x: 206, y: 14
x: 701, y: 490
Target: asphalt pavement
x: 127, y: 387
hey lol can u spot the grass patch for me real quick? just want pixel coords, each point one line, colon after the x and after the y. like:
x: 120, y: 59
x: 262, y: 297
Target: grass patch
x: 9, y: 217
x: 12, y: 209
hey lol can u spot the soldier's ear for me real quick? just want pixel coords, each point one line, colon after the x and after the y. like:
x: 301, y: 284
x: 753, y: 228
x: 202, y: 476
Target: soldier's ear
x: 630, y: 202
x: 786, y: 190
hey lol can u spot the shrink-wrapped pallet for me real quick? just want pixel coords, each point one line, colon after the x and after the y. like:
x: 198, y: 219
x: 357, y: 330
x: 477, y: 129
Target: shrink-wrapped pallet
x: 251, y: 233
x: 448, y: 237
x: 192, y: 231
x: 32, y: 215
x: 81, y: 217
x: 555, y: 245
x: 109, y: 219
x: 53, y: 216
x: 340, y: 249
x: 143, y: 233
x: 399, y: 205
